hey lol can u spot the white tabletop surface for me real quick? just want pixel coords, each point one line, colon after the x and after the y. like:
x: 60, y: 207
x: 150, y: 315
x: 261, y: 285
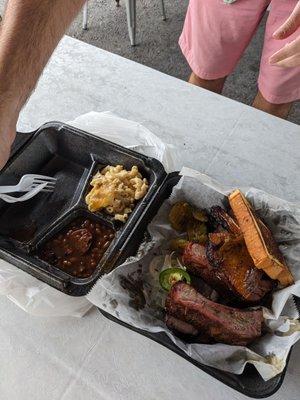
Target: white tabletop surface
x: 92, y: 358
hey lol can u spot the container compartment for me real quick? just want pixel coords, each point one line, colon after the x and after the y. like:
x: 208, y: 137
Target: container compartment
x: 98, y: 167
x: 29, y: 260
x: 78, y: 246
x: 45, y: 155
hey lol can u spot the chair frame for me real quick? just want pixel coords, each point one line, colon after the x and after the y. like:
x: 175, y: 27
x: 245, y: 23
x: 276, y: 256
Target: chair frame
x: 131, y: 17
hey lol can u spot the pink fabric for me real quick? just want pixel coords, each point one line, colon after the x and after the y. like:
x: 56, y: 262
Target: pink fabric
x: 216, y: 34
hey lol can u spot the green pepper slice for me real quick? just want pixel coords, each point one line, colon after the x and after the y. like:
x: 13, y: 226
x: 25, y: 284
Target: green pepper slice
x: 168, y: 277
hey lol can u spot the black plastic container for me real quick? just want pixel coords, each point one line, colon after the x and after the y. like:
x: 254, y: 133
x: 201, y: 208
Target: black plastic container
x: 72, y: 156
x: 249, y: 382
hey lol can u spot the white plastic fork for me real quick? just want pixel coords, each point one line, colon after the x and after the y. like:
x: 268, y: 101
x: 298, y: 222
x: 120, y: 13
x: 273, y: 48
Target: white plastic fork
x: 29, y: 182
x: 25, y: 197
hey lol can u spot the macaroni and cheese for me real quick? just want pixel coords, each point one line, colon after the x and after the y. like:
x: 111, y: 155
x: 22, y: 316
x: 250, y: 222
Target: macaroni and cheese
x: 116, y: 190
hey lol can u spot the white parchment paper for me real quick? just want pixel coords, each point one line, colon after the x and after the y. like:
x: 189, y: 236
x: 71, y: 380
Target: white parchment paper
x: 131, y: 292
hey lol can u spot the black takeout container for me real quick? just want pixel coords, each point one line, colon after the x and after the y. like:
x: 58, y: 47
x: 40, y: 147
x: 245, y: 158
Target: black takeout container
x: 73, y: 156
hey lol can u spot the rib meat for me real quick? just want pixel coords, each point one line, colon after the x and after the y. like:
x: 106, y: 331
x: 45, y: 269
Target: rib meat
x: 226, y: 266
x: 186, y: 331
x: 222, y: 323
x: 175, y: 324
x: 221, y: 218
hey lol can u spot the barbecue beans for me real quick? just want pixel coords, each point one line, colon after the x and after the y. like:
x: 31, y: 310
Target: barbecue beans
x: 79, y: 248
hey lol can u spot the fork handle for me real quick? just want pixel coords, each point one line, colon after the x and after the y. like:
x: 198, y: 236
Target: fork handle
x: 8, y: 189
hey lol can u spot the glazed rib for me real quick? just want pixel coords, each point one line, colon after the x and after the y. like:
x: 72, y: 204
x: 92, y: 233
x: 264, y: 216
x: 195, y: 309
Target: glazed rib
x: 221, y: 323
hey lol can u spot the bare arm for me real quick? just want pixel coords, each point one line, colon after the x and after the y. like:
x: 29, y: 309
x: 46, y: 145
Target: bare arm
x: 30, y: 32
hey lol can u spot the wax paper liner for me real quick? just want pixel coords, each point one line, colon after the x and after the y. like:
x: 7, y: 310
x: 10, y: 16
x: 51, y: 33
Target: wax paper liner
x: 130, y: 292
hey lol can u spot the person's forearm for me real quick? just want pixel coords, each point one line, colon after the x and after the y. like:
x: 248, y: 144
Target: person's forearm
x: 30, y: 32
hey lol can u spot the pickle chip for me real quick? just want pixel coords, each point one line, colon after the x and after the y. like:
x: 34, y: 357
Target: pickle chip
x: 178, y: 244
x: 197, y: 231
x: 200, y: 215
x: 180, y: 215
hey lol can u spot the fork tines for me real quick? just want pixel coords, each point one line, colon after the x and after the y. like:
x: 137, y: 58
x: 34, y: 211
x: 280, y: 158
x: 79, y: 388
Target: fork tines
x: 38, y: 179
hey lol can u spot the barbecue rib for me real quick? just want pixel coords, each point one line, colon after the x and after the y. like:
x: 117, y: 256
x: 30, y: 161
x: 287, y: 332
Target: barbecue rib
x: 179, y: 326
x: 222, y: 323
x: 221, y: 218
x: 186, y: 331
x: 226, y: 266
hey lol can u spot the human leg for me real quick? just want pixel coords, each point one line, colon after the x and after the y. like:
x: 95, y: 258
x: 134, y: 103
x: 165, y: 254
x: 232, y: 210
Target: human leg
x: 278, y: 87
x: 214, y: 85
x: 279, y: 110
x: 215, y: 36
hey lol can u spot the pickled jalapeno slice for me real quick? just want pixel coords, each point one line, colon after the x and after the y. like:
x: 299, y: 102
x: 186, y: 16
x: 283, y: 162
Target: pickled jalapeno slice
x: 168, y: 277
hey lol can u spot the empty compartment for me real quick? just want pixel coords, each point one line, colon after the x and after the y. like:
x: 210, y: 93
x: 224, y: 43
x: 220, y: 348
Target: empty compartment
x: 48, y: 153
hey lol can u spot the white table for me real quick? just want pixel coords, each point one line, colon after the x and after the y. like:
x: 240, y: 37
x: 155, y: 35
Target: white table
x: 93, y: 358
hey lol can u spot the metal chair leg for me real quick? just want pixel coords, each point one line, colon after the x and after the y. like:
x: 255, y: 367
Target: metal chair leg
x: 163, y: 9
x: 85, y: 16
x: 131, y: 20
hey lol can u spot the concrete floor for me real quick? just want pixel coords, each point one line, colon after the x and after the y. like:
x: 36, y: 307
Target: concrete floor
x: 157, y: 43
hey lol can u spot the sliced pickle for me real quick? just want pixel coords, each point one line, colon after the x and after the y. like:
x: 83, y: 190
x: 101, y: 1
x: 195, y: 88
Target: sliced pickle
x: 197, y: 231
x: 178, y: 244
x: 180, y: 215
x: 200, y: 215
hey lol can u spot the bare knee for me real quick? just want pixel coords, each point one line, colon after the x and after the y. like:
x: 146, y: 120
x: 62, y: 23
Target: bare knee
x: 214, y: 85
x: 279, y: 110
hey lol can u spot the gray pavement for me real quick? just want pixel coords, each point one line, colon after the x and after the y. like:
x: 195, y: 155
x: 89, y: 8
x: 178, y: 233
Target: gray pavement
x: 157, y: 43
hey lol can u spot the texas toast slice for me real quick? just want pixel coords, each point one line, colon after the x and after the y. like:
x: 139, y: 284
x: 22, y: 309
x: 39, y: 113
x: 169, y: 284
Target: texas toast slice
x: 259, y: 240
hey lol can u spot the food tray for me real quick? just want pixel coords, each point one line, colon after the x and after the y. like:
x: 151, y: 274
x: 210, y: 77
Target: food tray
x: 72, y: 156
x: 249, y: 382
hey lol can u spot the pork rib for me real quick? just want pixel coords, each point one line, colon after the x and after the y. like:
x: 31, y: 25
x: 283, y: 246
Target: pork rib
x: 175, y: 324
x: 186, y: 331
x: 228, y: 269
x: 222, y: 323
x: 221, y: 218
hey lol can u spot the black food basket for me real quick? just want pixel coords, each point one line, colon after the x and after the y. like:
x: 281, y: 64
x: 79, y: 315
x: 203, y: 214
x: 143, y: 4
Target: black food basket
x: 250, y: 383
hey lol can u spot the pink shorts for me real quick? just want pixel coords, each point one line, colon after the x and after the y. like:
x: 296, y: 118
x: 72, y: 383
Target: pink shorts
x: 216, y: 34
